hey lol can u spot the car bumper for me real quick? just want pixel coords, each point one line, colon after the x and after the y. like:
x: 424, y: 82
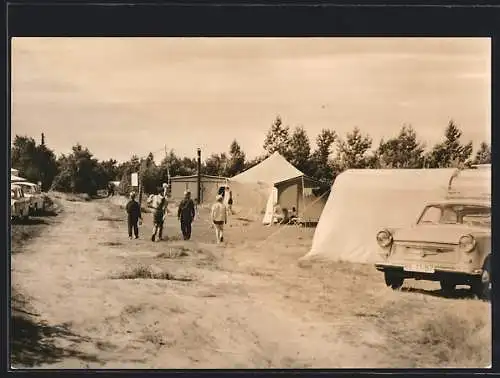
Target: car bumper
x: 437, y: 275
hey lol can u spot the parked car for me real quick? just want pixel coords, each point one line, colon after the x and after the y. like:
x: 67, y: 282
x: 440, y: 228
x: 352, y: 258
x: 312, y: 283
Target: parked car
x: 19, y: 204
x: 450, y: 243
x: 34, y: 194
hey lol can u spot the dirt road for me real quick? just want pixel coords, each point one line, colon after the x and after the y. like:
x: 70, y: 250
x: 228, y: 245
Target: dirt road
x: 84, y: 296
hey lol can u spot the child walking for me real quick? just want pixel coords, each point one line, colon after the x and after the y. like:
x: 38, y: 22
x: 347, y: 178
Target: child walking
x: 133, y: 216
x: 219, y: 218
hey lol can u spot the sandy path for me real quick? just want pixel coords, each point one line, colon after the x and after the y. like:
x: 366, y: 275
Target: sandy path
x: 248, y: 304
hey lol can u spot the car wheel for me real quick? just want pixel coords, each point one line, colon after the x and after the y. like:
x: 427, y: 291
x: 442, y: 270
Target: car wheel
x: 447, y: 286
x: 393, y: 281
x: 482, y: 287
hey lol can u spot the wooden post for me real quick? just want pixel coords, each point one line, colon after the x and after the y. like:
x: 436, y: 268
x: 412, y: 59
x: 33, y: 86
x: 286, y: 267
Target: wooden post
x: 199, y: 176
x: 139, y: 179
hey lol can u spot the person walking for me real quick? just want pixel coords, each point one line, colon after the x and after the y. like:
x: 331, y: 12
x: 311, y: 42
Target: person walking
x: 133, y: 216
x: 185, y: 214
x: 230, y: 203
x: 111, y: 189
x: 219, y: 218
x: 159, y: 205
x: 165, y: 189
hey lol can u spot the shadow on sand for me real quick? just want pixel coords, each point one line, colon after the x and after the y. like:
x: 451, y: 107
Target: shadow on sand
x: 30, y: 221
x: 458, y: 293
x: 33, y: 343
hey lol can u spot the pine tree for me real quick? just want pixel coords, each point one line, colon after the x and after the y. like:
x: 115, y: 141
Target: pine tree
x: 236, y: 162
x: 483, y: 155
x: 404, y: 151
x: 278, y: 138
x: 449, y: 153
x: 353, y: 151
x: 300, y: 149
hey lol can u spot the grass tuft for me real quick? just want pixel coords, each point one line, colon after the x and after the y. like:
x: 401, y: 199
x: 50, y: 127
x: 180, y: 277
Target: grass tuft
x: 146, y: 272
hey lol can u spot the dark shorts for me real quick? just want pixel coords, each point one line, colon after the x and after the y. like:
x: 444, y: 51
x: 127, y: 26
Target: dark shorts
x: 218, y: 222
x: 158, y: 218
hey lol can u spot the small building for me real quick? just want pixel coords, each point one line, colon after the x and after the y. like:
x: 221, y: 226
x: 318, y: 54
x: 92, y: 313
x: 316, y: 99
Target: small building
x: 210, y: 185
x: 306, y: 194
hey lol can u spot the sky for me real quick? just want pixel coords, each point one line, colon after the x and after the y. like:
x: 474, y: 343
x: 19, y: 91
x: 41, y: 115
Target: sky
x: 125, y: 96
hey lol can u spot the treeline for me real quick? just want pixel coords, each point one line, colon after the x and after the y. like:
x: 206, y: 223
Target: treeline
x: 330, y: 154
x: 334, y: 153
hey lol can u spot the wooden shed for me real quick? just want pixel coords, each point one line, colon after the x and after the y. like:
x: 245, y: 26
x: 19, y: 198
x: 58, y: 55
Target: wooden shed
x: 209, y: 186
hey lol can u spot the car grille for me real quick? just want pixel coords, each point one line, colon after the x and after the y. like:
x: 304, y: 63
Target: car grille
x: 428, y: 252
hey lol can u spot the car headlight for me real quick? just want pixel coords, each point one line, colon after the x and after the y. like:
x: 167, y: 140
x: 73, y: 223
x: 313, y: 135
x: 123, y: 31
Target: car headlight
x: 384, y: 238
x: 467, y: 243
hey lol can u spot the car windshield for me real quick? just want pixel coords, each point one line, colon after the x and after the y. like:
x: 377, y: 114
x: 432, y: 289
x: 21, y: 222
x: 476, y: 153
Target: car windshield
x: 473, y: 215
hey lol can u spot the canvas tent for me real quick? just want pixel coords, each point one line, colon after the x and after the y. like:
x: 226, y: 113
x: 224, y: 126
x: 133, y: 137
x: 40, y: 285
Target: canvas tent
x: 254, y: 187
x: 306, y: 194
x: 363, y: 201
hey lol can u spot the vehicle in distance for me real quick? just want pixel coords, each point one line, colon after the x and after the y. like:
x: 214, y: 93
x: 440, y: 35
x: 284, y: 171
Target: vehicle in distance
x: 19, y: 204
x: 34, y: 194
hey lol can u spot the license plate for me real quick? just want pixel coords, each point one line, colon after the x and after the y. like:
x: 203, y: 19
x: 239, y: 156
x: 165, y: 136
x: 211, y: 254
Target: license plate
x: 421, y: 268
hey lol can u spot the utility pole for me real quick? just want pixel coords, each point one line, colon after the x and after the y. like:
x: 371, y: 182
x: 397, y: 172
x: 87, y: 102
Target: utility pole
x: 199, y: 175
x: 141, y: 171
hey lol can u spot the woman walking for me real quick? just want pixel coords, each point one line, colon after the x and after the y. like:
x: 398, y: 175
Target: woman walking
x: 219, y: 218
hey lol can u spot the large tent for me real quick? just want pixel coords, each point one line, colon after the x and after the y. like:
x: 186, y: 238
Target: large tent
x: 254, y: 188
x: 364, y: 201
x: 271, y: 170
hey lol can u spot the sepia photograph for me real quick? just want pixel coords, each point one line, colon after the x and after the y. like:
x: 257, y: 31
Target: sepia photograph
x: 250, y: 203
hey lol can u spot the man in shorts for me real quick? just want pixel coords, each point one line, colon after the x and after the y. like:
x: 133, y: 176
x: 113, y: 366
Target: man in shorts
x: 219, y: 218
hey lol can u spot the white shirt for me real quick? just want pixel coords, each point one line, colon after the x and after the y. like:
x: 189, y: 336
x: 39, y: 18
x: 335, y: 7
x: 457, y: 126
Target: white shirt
x: 156, y: 201
x: 219, y: 213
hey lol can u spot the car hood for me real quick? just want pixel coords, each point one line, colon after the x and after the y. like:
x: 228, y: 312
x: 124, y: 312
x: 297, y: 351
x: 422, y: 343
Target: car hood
x: 442, y: 233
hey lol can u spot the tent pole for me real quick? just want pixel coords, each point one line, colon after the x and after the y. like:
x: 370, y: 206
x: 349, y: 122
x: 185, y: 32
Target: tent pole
x: 303, y: 196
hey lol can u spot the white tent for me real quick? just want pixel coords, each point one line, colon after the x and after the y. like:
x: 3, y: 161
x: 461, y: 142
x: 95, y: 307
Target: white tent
x: 273, y: 169
x: 268, y: 172
x: 363, y: 201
